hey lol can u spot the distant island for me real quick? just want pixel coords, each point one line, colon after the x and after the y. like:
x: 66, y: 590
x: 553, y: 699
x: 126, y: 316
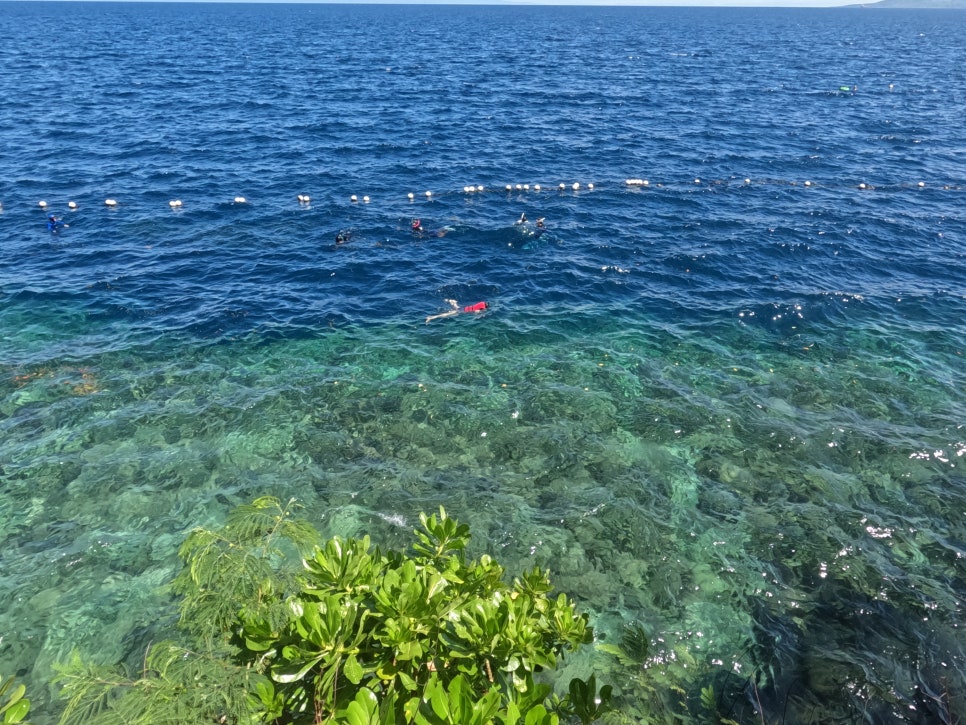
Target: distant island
x: 915, y: 4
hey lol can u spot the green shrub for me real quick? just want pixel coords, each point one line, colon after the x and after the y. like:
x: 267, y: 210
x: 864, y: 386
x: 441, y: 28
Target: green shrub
x: 357, y: 636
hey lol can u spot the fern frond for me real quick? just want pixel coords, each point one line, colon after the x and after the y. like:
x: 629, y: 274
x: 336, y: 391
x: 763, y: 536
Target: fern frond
x: 265, y: 521
x: 90, y: 691
x: 178, y: 686
x: 250, y: 563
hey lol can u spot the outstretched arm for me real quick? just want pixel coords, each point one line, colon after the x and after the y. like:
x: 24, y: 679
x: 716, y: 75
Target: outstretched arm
x: 442, y: 314
x: 455, y: 311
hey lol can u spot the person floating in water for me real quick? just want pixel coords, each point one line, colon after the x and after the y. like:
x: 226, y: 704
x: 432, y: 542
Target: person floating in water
x: 535, y: 230
x: 522, y: 219
x: 478, y: 307
x: 53, y: 223
x: 540, y: 230
x: 343, y: 237
x: 419, y: 230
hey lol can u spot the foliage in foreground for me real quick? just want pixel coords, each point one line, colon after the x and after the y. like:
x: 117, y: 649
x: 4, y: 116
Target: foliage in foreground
x: 358, y: 636
x: 13, y: 705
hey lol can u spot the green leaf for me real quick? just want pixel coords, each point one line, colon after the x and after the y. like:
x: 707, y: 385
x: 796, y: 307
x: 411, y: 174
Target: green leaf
x: 539, y: 716
x: 18, y: 692
x: 438, y: 699
x: 708, y: 700
x: 635, y: 642
x: 16, y: 712
x: 411, y: 708
x: 512, y: 714
x: 364, y: 709
x: 353, y: 670
x: 409, y: 650
x: 611, y: 649
x: 436, y: 584
x: 287, y: 672
x: 408, y: 682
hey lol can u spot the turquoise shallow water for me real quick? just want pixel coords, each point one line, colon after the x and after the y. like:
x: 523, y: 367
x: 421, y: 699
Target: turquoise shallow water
x: 771, y: 510
x: 731, y: 412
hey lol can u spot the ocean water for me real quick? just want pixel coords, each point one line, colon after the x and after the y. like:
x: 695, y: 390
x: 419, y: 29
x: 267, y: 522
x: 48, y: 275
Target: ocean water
x: 728, y: 406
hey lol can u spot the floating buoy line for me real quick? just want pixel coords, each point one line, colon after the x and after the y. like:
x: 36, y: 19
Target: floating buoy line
x: 630, y: 184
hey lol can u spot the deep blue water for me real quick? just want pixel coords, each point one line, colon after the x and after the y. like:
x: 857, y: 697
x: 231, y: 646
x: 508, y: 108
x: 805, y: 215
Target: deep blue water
x: 728, y: 405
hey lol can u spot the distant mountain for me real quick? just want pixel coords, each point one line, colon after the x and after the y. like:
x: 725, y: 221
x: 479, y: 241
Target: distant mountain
x: 914, y: 4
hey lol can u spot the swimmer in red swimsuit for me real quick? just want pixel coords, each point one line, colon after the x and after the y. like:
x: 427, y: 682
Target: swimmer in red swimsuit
x: 478, y: 307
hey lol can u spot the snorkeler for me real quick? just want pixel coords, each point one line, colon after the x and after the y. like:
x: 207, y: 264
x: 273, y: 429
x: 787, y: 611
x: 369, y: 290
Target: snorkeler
x: 522, y: 219
x: 419, y: 230
x: 541, y: 228
x: 53, y: 223
x: 343, y: 237
x: 478, y: 307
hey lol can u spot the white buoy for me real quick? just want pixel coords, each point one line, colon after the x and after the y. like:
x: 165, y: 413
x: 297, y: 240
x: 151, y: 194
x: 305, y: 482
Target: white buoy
x: 519, y: 187
x: 747, y: 181
x: 353, y: 198
x: 922, y: 184
x: 175, y: 203
x: 429, y: 194
x: 526, y: 187
x: 365, y: 200
x: 697, y: 181
x: 411, y: 196
x: 71, y: 204
x: 861, y: 186
x: 563, y: 186
x: 304, y: 198
x: 42, y: 204
x: 509, y: 187
x: 110, y: 202
x: 480, y: 187
x: 240, y: 200
x: 590, y: 186
x: 575, y: 186
x: 536, y: 187
x: 808, y: 183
